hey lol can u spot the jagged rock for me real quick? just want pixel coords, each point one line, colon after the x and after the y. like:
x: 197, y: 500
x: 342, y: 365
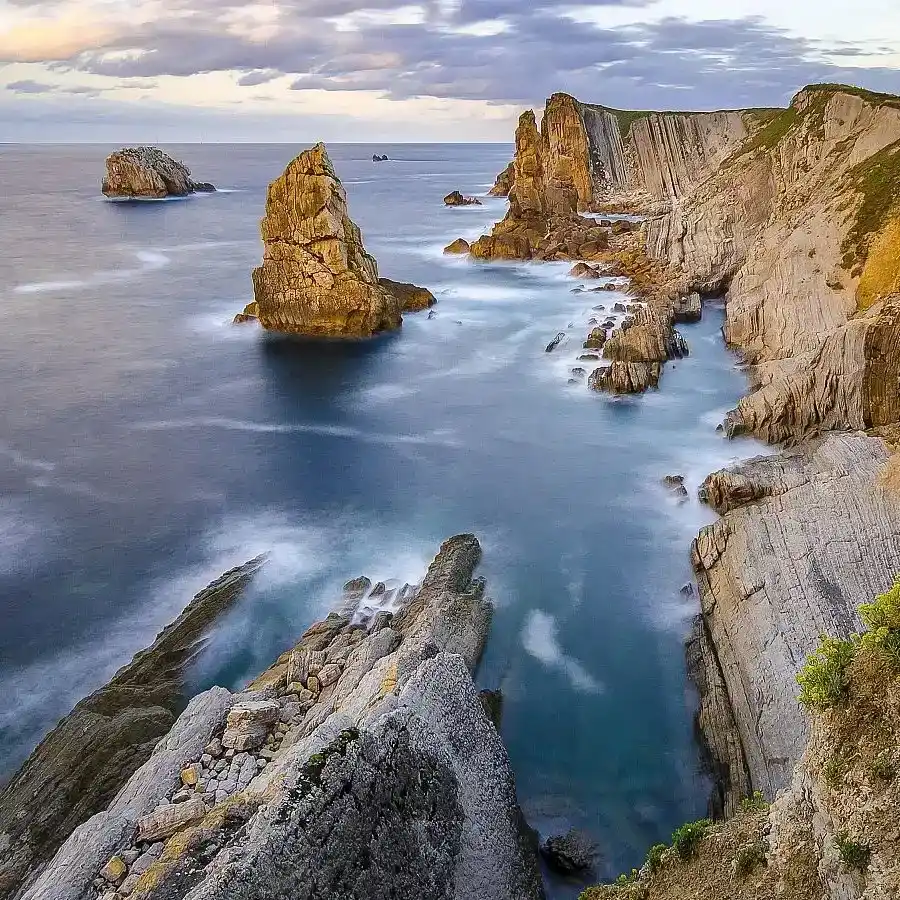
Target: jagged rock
x: 596, y: 339
x: 675, y: 483
x: 625, y: 377
x: 357, y: 588
x: 687, y: 309
x: 316, y: 277
x: 148, y: 173
x: 78, y: 768
x: 248, y: 724
x: 646, y: 338
x: 458, y: 246
x: 412, y: 298
x: 570, y: 853
x: 555, y: 342
x: 790, y: 560
x: 377, y: 158
x: 504, y: 182
x: 455, y: 198
x: 395, y: 778
x: 115, y: 870
x: 583, y: 270
x: 162, y: 823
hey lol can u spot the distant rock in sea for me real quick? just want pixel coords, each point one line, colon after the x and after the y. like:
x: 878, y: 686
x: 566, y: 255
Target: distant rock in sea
x: 455, y: 198
x: 377, y: 158
x: 316, y: 278
x: 148, y: 173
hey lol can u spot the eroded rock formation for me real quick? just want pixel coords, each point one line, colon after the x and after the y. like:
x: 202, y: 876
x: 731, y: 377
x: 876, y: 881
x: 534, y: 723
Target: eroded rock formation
x: 455, y: 198
x: 80, y: 766
x: 378, y: 774
x: 148, y: 173
x: 316, y: 277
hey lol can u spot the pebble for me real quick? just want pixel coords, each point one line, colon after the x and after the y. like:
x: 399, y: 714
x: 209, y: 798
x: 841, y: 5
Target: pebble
x: 182, y: 795
x: 130, y: 856
x: 214, y: 747
x: 261, y: 763
x: 221, y: 765
x: 229, y: 753
x: 212, y: 786
x: 206, y: 759
x: 221, y: 796
x: 228, y: 786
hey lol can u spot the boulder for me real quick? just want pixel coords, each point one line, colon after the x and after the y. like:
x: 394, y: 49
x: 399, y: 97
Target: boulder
x: 569, y: 853
x: 411, y: 297
x: 583, y: 270
x: 248, y: 724
x: 687, y: 309
x: 596, y: 339
x: 455, y: 198
x: 149, y: 174
x: 460, y: 245
x: 625, y: 377
x: 164, y: 821
x: 316, y: 278
x: 555, y: 342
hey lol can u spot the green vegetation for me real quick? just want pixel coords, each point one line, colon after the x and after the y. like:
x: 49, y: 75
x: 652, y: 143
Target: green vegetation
x: 630, y: 878
x: 686, y: 839
x: 756, y: 803
x: 823, y: 679
x: 877, y: 180
x: 833, y: 771
x: 654, y: 857
x: 882, y: 767
x: 873, y: 97
x: 855, y: 856
x: 749, y: 858
x: 882, y: 619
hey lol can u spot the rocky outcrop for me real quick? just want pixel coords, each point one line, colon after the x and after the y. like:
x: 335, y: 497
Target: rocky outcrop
x: 504, y: 182
x: 316, y: 278
x: 379, y: 775
x: 81, y: 765
x: 411, y: 297
x: 625, y: 377
x: 455, y: 198
x: 648, y: 337
x: 149, y: 174
x: 460, y: 245
x: 805, y: 537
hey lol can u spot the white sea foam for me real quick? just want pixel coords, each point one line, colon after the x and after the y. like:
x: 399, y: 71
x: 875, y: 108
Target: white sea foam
x: 151, y: 261
x: 541, y: 640
x: 440, y: 438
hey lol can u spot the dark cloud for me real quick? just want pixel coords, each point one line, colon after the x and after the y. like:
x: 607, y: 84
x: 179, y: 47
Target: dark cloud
x: 671, y: 62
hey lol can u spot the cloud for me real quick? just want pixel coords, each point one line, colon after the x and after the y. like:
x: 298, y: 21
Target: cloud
x: 541, y: 640
x: 26, y: 86
x: 259, y: 76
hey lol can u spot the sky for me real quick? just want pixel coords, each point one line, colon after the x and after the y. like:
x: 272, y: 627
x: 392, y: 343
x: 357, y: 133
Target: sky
x: 163, y: 71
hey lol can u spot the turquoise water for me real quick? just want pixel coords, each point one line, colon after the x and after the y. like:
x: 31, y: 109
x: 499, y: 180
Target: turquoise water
x: 147, y: 445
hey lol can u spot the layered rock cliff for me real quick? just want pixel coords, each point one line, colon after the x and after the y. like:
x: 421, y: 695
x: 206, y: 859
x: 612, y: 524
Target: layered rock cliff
x: 316, y: 277
x: 80, y: 766
x: 362, y: 764
x: 791, y: 214
x: 149, y: 174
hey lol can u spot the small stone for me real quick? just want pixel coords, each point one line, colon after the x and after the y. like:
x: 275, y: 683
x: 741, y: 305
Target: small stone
x: 212, y: 786
x: 130, y: 855
x: 129, y: 884
x: 221, y: 765
x: 261, y: 763
x: 183, y: 794
x: 190, y: 775
x: 213, y: 748
x: 115, y: 870
x: 267, y: 754
x: 221, y: 796
x: 312, y: 684
x: 229, y: 753
x: 282, y: 727
x: 206, y: 759
x: 329, y: 675
x: 165, y: 821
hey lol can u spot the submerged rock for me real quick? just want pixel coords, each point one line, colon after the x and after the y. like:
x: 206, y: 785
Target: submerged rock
x: 316, y: 277
x: 569, y: 853
x: 460, y: 245
x: 412, y: 298
x: 455, y: 198
x: 583, y: 270
x: 555, y: 342
x: 148, y: 173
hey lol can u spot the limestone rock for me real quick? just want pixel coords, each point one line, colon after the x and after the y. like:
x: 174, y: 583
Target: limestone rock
x: 248, y: 724
x: 649, y: 338
x: 596, y: 339
x: 316, y: 277
x: 411, y: 297
x: 504, y: 182
x: 163, y: 822
x: 455, y: 198
x: 790, y: 560
x: 78, y: 768
x: 625, y: 377
x: 583, y: 270
x: 569, y: 853
x: 458, y: 246
x: 148, y: 173
x: 688, y: 309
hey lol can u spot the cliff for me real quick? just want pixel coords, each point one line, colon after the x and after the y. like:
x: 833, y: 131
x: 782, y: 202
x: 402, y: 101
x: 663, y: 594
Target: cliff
x: 833, y: 833
x: 791, y: 214
x: 80, y: 766
x: 361, y: 764
x: 149, y: 174
x: 316, y: 277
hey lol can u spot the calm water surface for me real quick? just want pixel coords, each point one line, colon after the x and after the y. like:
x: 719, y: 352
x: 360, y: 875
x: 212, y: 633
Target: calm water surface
x: 146, y: 445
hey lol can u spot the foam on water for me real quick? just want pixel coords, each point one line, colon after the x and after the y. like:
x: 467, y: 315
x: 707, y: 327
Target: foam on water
x: 540, y: 639
x: 150, y: 260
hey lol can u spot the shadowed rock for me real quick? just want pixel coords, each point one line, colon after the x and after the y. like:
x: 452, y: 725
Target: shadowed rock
x: 148, y: 173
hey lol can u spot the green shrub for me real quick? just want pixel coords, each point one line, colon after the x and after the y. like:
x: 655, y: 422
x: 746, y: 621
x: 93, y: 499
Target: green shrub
x: 686, y: 838
x: 855, y: 856
x: 654, y: 857
x: 748, y: 858
x: 883, y: 611
x: 833, y: 771
x: 823, y: 679
x: 756, y: 803
x: 882, y: 767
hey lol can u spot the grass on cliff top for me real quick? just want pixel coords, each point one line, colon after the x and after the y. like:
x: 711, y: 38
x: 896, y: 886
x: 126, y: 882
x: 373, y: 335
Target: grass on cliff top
x: 877, y: 180
x: 873, y: 97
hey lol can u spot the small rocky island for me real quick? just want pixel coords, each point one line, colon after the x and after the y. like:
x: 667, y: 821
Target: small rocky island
x: 146, y: 173
x: 316, y: 277
x: 457, y: 198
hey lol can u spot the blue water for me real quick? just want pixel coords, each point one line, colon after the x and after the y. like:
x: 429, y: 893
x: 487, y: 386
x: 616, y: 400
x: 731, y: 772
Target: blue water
x: 146, y: 445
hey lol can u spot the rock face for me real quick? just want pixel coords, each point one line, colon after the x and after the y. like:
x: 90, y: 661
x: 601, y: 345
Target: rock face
x: 805, y: 537
x: 316, y: 278
x: 81, y: 765
x: 504, y: 182
x: 411, y: 297
x: 148, y: 173
x: 386, y: 780
x: 625, y: 377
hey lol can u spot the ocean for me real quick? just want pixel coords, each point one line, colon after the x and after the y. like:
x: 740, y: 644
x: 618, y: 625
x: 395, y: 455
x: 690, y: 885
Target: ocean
x: 147, y: 445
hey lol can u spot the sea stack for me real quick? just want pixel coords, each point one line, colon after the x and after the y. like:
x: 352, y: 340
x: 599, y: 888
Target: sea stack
x: 316, y: 278
x: 146, y: 173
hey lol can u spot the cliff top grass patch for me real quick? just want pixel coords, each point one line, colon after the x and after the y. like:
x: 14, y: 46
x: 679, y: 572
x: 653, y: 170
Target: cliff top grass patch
x: 873, y: 97
x: 877, y: 181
